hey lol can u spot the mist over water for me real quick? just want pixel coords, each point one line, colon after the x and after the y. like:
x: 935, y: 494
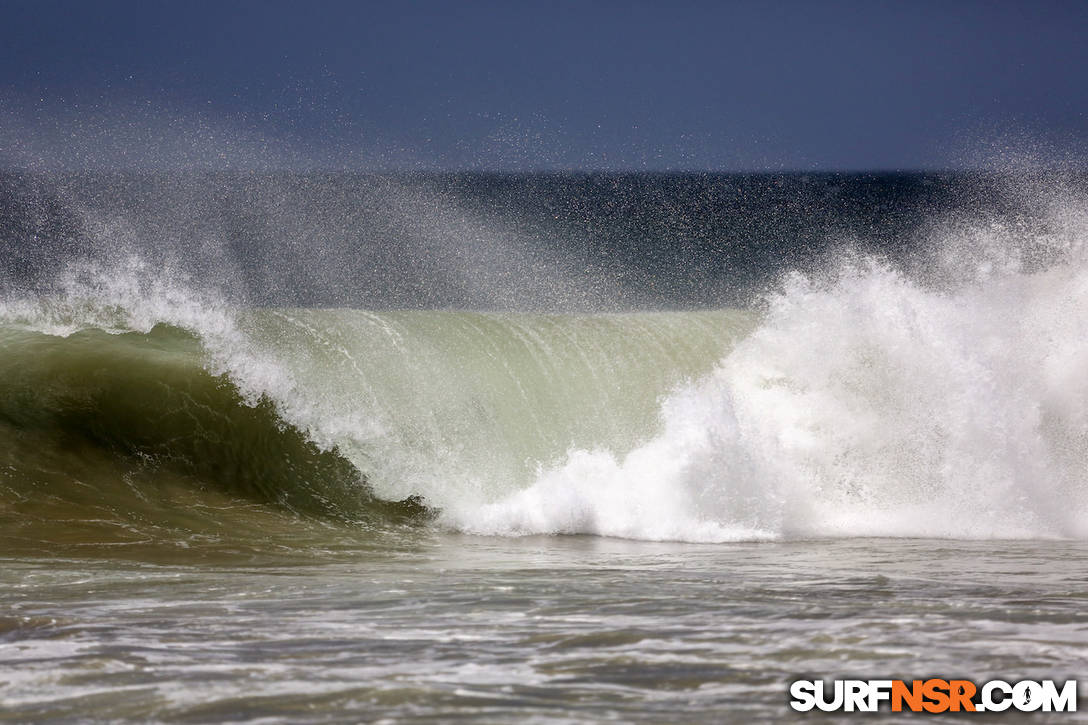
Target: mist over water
x: 537, y: 242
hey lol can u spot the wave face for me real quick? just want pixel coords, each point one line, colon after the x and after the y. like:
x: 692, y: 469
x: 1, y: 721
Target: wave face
x: 939, y: 394
x: 123, y: 437
x: 343, y: 413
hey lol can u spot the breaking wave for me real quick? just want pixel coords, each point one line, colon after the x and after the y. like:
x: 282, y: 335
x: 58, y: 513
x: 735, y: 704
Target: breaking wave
x: 946, y: 397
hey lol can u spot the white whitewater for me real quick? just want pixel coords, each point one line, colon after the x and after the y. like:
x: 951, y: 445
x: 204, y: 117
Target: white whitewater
x: 865, y: 404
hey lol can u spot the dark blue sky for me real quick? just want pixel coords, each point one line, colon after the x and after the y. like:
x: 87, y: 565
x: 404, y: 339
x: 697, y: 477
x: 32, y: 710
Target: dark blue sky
x: 515, y: 85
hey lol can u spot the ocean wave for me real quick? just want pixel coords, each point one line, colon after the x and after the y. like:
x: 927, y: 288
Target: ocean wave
x: 938, y: 396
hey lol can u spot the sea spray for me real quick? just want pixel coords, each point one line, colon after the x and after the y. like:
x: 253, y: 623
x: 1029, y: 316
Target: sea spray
x: 866, y: 403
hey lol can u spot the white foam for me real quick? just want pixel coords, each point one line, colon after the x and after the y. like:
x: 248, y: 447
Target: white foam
x: 864, y: 405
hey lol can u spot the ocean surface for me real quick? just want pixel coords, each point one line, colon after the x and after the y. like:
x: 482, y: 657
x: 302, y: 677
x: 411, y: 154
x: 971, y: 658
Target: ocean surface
x: 537, y: 447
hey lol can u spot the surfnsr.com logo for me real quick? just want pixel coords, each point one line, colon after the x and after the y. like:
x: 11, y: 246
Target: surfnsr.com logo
x: 933, y: 695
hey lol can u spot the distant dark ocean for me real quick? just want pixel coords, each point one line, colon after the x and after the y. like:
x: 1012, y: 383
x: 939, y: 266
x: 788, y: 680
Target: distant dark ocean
x: 326, y: 447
